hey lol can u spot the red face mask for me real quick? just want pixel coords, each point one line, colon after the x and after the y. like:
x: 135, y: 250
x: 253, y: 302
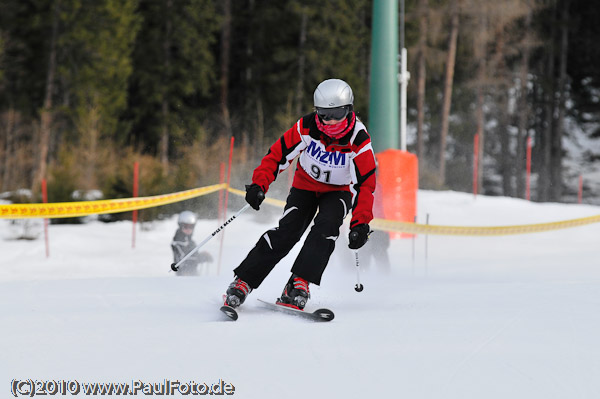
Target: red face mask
x: 339, y: 129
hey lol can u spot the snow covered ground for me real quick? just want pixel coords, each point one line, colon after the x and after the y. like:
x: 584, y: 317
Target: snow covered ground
x: 457, y: 317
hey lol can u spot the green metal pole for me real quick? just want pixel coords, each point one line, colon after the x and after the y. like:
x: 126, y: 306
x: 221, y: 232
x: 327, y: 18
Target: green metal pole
x: 383, y: 103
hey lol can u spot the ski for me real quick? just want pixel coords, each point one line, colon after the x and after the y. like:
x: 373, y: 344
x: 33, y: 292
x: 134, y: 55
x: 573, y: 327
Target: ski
x: 317, y: 315
x: 229, y: 312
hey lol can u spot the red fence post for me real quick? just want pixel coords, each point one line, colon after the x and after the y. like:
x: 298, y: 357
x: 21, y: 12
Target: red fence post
x: 136, y: 167
x: 45, y: 201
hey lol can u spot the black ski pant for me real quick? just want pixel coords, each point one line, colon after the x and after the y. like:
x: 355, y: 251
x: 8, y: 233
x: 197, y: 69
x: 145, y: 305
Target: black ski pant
x: 300, y: 209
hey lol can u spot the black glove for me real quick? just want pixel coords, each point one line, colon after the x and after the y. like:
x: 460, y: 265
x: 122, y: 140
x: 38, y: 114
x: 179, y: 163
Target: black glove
x: 254, y: 195
x: 358, y: 236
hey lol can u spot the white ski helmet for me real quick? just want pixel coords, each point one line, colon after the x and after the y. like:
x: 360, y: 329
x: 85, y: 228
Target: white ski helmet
x: 333, y: 93
x: 187, y: 217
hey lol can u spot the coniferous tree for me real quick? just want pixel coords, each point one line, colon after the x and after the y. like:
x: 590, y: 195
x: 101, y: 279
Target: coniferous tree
x: 26, y: 29
x: 448, y: 83
x: 224, y: 66
x: 2, y: 67
x: 492, y: 33
x: 524, y: 111
x: 174, y: 74
x: 47, y: 112
x: 268, y: 79
x: 583, y: 66
x: 162, y: 94
x: 557, y: 140
x: 421, y: 75
x: 547, y: 86
x: 94, y: 66
x: 336, y: 41
x: 4, y: 132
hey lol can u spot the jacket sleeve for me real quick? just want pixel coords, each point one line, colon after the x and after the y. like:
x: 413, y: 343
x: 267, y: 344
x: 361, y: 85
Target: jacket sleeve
x: 363, y: 180
x: 279, y: 157
x: 178, y: 245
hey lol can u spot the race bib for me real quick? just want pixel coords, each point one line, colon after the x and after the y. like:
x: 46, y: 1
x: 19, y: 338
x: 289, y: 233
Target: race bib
x: 326, y: 167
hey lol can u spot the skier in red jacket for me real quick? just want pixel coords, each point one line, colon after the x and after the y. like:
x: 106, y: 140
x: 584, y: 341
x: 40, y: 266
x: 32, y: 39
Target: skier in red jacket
x: 335, y: 175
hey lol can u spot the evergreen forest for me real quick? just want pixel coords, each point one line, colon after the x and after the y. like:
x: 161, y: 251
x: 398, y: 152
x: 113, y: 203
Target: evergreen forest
x: 88, y: 87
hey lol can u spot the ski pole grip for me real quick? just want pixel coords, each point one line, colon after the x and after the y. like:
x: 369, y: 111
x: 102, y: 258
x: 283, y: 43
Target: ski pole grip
x: 354, y: 235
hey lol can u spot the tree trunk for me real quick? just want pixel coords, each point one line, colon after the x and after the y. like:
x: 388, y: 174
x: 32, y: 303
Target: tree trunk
x: 301, y: 63
x: 225, y: 53
x: 165, y: 131
x: 480, y: 117
x: 505, y: 155
x: 90, y: 135
x: 523, y: 110
x: 498, y: 69
x: 480, y: 132
x: 450, y: 60
x: 249, y: 125
x: 164, y: 136
x: 9, y: 149
x: 557, y: 149
x: 421, y: 77
x: 260, y: 128
x: 546, y: 136
x: 46, y: 114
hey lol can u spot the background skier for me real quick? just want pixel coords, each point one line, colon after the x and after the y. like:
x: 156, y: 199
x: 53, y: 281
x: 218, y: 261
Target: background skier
x: 183, y: 243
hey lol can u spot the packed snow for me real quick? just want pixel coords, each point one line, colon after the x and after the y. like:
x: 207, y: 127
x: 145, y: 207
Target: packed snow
x: 456, y: 317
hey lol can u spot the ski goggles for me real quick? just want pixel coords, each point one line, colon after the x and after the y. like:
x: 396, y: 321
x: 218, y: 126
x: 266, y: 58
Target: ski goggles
x: 335, y: 114
x: 185, y: 226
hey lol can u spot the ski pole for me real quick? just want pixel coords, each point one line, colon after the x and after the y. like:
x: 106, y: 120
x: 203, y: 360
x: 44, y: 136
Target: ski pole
x: 175, y: 266
x: 358, y: 287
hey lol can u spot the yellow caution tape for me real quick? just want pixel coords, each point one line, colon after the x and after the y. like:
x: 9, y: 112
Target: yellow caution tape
x: 83, y: 208
x: 413, y: 228
x: 270, y: 201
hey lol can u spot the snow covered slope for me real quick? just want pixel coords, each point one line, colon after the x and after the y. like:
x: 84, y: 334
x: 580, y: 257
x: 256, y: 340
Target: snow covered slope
x: 458, y: 317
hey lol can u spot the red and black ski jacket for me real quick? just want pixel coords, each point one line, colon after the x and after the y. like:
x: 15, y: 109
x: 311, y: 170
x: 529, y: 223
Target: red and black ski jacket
x: 325, y: 164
